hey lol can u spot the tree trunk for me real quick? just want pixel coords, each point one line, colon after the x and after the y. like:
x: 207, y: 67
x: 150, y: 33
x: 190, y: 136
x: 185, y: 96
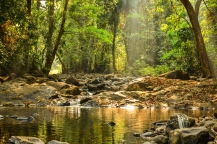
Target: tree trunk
x: 113, y: 48
x: 51, y: 57
x: 203, y: 56
x: 64, y: 69
x: 49, y: 45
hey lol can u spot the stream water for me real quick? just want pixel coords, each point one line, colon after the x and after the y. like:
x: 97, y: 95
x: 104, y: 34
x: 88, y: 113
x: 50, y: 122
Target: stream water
x: 77, y: 125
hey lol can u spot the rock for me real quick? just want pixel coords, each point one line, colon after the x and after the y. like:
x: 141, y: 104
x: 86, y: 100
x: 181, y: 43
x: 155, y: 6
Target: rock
x: 26, y: 119
x: 25, y: 140
x: 112, y: 123
x: 72, y: 80
x: 84, y: 100
x: 30, y: 79
x: 148, y: 134
x: 58, y: 85
x: 140, y: 85
x: 196, y: 135
x: 215, y: 114
x: 37, y: 73
x: 72, y: 90
x: 19, y: 92
x: 149, y: 142
x: 215, y: 127
x: 177, y: 74
x: 14, y: 116
x: 136, y: 135
x: 56, y: 142
x: 159, y: 139
x: 92, y: 87
x: 179, y: 121
x: 12, y: 76
x: 95, y: 81
x: 54, y: 77
x: 210, y: 123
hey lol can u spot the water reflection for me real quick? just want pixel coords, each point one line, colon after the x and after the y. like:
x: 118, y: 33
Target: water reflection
x: 77, y: 125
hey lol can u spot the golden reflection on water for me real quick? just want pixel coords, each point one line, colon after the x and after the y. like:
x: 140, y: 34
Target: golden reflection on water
x: 77, y: 125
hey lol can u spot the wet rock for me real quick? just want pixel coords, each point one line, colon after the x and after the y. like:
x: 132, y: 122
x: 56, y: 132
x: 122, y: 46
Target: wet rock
x: 84, y: 100
x: 215, y: 127
x: 197, y: 135
x: 149, y: 142
x: 136, y: 135
x: 14, y: 116
x: 95, y: 81
x: 215, y: 114
x: 148, y: 134
x: 26, y: 119
x: 179, y: 121
x: 25, y: 140
x: 92, y: 87
x: 210, y: 123
x: 112, y: 123
x: 159, y: 139
x: 56, y: 142
x: 101, y: 86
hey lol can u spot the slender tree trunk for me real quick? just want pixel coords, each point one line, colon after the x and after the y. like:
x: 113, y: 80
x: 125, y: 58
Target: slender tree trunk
x: 203, y: 56
x: 113, y: 48
x: 64, y: 69
x: 51, y: 57
x: 25, y: 67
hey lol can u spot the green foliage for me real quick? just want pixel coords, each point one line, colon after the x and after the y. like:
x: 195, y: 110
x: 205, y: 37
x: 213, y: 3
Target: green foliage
x: 140, y: 68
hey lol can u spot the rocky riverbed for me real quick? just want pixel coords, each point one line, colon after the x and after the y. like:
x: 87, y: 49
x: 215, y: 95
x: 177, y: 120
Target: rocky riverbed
x: 109, y: 90
x: 171, y: 90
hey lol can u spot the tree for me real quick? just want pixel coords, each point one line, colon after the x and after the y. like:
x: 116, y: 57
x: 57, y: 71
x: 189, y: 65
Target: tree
x: 206, y: 68
x: 51, y: 56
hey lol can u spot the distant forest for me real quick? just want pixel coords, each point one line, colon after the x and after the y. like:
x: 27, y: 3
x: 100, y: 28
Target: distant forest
x: 131, y: 37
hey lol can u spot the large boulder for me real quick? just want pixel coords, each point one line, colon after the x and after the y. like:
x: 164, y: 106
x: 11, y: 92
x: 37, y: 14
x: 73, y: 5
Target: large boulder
x: 196, y: 135
x: 25, y: 140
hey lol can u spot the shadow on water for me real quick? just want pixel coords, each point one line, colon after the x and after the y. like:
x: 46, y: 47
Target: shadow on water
x: 77, y: 125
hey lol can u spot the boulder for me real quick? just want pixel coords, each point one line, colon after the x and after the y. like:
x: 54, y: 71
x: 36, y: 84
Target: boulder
x: 25, y: 140
x: 196, y: 135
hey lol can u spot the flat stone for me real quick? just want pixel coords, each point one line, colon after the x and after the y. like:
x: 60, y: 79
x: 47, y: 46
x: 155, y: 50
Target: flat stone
x: 25, y: 140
